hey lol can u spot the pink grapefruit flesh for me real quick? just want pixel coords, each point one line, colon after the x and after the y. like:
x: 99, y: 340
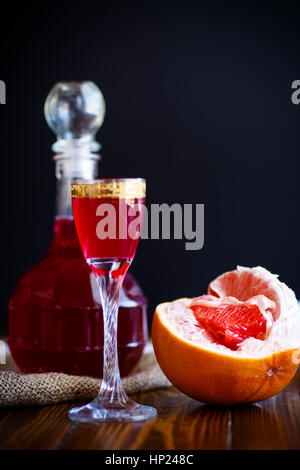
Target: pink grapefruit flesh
x: 228, y: 321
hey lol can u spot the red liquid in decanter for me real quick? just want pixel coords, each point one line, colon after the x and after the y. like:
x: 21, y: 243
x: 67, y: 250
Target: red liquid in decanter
x: 55, y: 317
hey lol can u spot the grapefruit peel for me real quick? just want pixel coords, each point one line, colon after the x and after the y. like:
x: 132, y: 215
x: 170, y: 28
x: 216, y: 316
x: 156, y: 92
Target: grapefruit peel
x: 214, y: 373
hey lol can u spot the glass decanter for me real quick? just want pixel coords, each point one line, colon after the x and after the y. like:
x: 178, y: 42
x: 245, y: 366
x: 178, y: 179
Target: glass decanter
x: 55, y: 314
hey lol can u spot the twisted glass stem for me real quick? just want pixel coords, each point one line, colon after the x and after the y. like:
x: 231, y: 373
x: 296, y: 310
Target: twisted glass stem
x: 112, y: 404
x: 111, y: 390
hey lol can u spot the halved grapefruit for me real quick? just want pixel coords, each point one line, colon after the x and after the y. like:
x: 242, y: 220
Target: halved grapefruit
x: 240, y: 343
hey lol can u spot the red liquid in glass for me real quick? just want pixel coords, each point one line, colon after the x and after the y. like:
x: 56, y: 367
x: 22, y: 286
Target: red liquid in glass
x: 108, y: 228
x: 55, y: 321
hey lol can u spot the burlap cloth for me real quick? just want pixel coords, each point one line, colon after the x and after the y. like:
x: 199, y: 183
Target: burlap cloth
x: 17, y: 389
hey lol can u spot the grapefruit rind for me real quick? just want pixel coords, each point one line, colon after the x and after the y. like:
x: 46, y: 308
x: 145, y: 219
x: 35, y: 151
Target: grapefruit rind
x: 213, y: 373
x: 219, y: 377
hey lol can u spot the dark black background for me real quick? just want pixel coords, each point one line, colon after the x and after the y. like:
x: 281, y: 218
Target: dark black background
x: 198, y: 101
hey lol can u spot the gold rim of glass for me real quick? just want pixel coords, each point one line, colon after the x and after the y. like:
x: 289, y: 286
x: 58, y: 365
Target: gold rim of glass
x: 127, y: 188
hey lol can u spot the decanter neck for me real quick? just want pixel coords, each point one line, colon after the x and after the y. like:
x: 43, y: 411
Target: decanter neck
x: 75, y: 112
x: 67, y: 169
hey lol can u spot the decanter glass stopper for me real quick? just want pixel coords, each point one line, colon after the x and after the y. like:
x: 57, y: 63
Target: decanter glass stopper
x: 75, y: 112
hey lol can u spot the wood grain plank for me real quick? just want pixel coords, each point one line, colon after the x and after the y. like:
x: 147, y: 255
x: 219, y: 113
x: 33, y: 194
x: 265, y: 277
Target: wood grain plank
x: 182, y: 423
x: 33, y: 428
x: 270, y: 425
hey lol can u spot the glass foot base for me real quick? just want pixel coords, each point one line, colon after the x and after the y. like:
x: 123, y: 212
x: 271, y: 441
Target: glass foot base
x: 94, y: 413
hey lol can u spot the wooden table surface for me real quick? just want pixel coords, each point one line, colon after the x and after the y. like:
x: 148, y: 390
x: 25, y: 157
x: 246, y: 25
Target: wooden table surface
x: 182, y: 423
